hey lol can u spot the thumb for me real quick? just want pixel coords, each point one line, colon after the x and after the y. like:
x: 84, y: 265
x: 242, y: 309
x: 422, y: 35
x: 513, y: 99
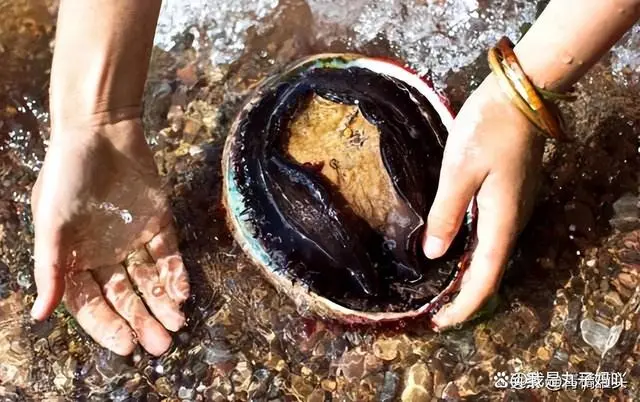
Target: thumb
x: 456, y: 188
x: 48, y: 272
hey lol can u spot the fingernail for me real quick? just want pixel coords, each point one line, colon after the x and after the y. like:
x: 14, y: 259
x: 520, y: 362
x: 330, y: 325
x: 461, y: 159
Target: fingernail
x: 36, y: 310
x: 442, y: 319
x: 434, y: 247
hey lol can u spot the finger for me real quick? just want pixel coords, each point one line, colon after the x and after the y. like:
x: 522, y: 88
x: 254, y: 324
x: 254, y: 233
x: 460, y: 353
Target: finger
x: 144, y: 274
x: 457, y: 185
x: 120, y: 295
x: 85, y: 302
x: 497, y: 226
x: 49, y: 270
x: 163, y: 248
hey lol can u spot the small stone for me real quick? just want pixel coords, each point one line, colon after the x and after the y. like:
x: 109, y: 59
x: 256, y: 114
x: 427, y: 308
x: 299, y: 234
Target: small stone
x: 418, y: 383
x: 439, y: 378
x: 386, y: 348
x: 62, y: 383
x: 214, y: 396
x: 300, y: 387
x: 627, y: 280
x: 389, y: 387
x: 352, y: 365
x: 188, y: 74
x: 450, y: 392
x: 306, y: 371
x: 241, y: 377
x: 119, y: 395
x: 415, y: 394
x: 328, y: 384
x: 544, y: 353
x: 599, y: 336
x: 259, y: 383
x: 217, y: 353
x: 467, y: 385
x: 372, y: 364
x: 195, y: 150
x: 163, y: 386
x: 186, y: 393
x: 191, y: 128
x: 613, y: 299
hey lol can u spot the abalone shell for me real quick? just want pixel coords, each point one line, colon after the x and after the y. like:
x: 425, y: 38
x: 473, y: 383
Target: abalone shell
x: 329, y: 173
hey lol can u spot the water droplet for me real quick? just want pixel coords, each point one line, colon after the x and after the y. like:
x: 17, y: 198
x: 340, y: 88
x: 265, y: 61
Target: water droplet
x: 126, y: 216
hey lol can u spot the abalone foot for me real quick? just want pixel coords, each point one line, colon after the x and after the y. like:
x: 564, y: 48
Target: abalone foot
x: 250, y: 151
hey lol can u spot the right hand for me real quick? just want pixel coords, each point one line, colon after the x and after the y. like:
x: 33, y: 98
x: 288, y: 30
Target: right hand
x: 494, y: 154
x: 96, y: 200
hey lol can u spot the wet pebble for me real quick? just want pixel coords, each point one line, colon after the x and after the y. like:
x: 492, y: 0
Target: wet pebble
x: 300, y: 388
x: 164, y: 386
x: 386, y: 348
x: 186, y: 393
x: 389, y: 388
x: 418, y: 383
x: 276, y: 388
x: 328, y: 384
x: 119, y: 395
x: 628, y: 280
x: 241, y: 376
x: 351, y: 365
x: 110, y: 365
x: 626, y: 216
x: 613, y: 298
x: 214, y: 396
x: 599, y: 336
x: 259, y: 383
x: 217, y: 352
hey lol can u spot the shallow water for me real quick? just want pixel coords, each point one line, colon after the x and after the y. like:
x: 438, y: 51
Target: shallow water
x: 569, y: 301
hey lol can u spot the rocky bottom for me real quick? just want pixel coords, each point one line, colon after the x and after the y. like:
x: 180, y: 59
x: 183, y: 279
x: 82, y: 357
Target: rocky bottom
x: 568, y: 303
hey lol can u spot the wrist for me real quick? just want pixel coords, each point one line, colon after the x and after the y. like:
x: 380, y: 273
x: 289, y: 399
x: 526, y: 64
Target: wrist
x: 94, y: 96
x: 100, y: 60
x: 569, y: 37
x: 67, y: 119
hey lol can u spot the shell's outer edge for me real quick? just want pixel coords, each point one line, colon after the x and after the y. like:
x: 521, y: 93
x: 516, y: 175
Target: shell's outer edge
x: 303, y: 297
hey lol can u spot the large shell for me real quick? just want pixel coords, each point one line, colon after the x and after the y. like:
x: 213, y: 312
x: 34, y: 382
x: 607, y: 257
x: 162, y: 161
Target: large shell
x: 307, y: 238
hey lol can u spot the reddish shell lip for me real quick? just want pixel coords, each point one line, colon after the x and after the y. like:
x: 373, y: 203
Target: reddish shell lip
x: 426, y: 78
x: 308, y: 301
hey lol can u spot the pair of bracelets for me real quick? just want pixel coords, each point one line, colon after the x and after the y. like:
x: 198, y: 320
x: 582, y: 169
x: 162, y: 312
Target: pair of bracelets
x: 529, y: 99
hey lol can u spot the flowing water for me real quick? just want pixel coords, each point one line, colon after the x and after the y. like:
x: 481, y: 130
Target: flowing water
x: 570, y: 300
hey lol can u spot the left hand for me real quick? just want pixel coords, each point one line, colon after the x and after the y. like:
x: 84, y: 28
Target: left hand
x: 494, y: 153
x: 97, y: 199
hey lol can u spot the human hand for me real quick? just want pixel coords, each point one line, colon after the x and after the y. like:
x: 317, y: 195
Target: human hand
x: 98, y: 198
x: 493, y: 153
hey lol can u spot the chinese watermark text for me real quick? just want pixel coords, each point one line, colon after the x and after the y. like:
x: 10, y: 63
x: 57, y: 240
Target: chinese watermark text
x: 556, y: 381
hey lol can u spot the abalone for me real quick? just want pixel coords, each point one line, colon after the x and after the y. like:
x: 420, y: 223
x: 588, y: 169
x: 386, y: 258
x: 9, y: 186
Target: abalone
x: 329, y: 173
